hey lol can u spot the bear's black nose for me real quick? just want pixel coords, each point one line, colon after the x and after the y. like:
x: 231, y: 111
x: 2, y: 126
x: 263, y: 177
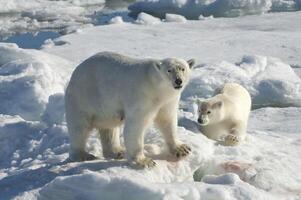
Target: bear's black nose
x: 178, y: 81
x: 200, y: 121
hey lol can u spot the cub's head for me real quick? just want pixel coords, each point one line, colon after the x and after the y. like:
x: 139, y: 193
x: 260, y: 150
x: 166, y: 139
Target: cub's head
x: 210, y: 111
x: 176, y: 71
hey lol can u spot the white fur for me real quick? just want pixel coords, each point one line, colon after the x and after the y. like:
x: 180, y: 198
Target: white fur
x: 229, y: 113
x: 109, y: 90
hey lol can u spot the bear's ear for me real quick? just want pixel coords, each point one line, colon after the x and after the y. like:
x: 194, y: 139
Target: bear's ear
x: 158, y: 65
x: 191, y: 62
x: 217, y: 105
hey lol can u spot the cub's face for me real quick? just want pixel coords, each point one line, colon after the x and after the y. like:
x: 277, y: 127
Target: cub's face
x: 176, y: 71
x: 210, y: 112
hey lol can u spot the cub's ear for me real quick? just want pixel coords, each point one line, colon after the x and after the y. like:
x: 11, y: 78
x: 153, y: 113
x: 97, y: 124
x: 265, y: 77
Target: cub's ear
x: 198, y: 102
x: 218, y: 105
x: 191, y: 62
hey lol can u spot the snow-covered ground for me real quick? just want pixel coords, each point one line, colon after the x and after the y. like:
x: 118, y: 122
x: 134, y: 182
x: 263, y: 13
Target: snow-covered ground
x: 64, y: 16
x: 255, y: 51
x: 212, y: 40
x: 193, y: 9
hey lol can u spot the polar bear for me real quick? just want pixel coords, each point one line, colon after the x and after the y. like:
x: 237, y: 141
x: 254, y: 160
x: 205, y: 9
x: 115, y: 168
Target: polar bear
x: 226, y: 114
x: 108, y: 90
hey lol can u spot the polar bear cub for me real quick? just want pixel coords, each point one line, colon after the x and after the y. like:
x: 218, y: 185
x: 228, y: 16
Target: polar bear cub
x: 226, y: 114
x: 108, y: 90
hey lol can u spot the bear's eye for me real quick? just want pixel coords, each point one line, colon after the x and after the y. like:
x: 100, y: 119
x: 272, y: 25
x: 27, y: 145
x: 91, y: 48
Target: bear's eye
x: 208, y: 112
x: 183, y: 69
x: 169, y: 70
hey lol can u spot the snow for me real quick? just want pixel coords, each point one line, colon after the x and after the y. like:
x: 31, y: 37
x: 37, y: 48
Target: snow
x: 201, y: 17
x: 192, y: 9
x: 146, y: 19
x: 266, y: 166
x: 116, y: 20
x: 33, y: 15
x: 145, y: 190
x: 55, y: 109
x: 269, y: 80
x: 267, y: 175
x: 232, y: 39
x: 27, y: 79
x: 174, y: 18
x: 225, y: 179
x: 17, y: 5
x: 255, y: 51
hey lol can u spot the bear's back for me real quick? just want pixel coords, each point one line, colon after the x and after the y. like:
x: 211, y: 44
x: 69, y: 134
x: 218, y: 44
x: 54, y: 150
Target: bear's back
x: 109, y: 67
x: 113, y: 57
x: 108, y: 60
x: 234, y: 89
x: 239, y: 97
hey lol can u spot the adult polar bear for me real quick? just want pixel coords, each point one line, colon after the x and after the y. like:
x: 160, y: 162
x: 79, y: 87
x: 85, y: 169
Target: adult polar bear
x: 109, y: 89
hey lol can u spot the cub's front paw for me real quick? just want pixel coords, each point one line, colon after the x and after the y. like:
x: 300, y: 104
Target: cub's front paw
x: 231, y: 140
x: 181, y: 151
x: 143, y: 163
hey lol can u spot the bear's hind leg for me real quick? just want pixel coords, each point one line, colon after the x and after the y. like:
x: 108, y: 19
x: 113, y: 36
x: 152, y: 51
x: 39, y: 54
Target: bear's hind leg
x: 110, y: 141
x: 135, y: 126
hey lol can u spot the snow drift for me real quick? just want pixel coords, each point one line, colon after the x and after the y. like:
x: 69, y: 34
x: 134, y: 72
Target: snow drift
x: 192, y: 9
x: 27, y: 79
x: 222, y: 173
x: 270, y: 81
x: 21, y: 5
x: 138, y: 188
x: 146, y: 19
x: 35, y: 15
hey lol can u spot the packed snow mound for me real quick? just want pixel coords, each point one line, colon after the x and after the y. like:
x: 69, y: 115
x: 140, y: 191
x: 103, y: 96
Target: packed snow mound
x: 146, y: 19
x: 55, y: 109
x: 116, y: 20
x: 174, y: 18
x: 28, y: 78
x: 269, y: 80
x: 95, y: 185
x: 226, y: 179
x: 27, y: 149
x: 26, y: 144
x: 192, y: 9
x: 167, y: 180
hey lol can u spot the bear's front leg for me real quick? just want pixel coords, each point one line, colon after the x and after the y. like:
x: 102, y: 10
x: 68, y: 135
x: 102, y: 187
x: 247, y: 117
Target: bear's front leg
x: 236, y: 134
x: 231, y: 140
x: 167, y: 121
x: 134, y: 129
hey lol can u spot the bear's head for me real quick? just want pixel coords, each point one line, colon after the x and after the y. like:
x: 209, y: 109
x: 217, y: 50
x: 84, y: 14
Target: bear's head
x: 176, y: 71
x: 210, y: 111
